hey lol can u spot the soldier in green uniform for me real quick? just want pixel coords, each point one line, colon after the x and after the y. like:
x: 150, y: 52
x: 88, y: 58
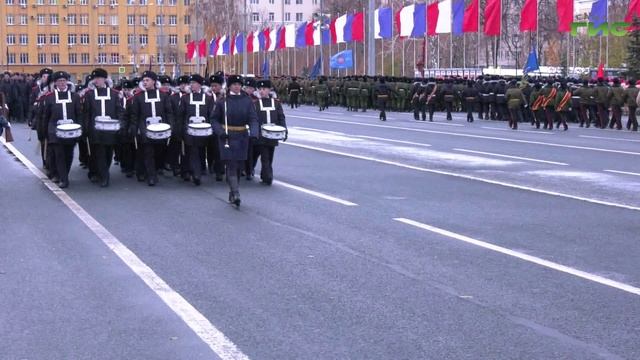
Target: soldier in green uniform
x: 562, y: 105
x: 632, y: 94
x: 404, y: 91
x: 322, y: 94
x: 514, y: 97
x: 535, y: 100
x: 364, y: 94
x: 617, y: 99
x: 602, y: 99
x: 353, y: 91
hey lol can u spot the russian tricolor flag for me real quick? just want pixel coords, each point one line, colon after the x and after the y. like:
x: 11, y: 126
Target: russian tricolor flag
x: 411, y: 20
x: 383, y: 23
x: 238, y: 47
x: 290, y: 36
x: 337, y: 29
x: 300, y: 35
x: 272, y: 36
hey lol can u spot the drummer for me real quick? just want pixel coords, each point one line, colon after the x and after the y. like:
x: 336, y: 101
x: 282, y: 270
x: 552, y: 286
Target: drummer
x: 103, y: 107
x: 269, y: 112
x: 234, y: 121
x: 149, y: 107
x: 196, y: 107
x: 60, y: 107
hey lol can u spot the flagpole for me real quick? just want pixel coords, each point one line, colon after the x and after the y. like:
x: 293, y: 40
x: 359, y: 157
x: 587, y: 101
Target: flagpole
x: 451, y: 39
x: 607, y: 49
x: 403, y: 58
x: 382, y: 57
x: 414, y: 54
x: 478, y: 39
x: 393, y: 56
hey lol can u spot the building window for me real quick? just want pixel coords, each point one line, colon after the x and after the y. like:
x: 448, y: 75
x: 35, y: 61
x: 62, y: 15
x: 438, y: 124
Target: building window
x: 143, y: 20
x: 143, y: 2
x: 41, y: 39
x: 159, y: 20
x: 73, y: 58
x: 54, y: 39
x: 131, y: 39
x: 272, y: 16
x: 102, y: 58
x: 9, y: 2
x: 298, y: 2
x: 84, y: 19
x: 84, y: 58
x: 24, y: 39
x: 54, y: 19
x: 187, y: 19
x: 71, y: 39
x: 172, y: 2
x: 102, y: 20
x: 84, y: 2
x: 287, y: 16
x: 272, y: 2
x: 131, y: 19
x: 42, y: 58
x: 24, y: 58
x: 187, y: 38
x: 114, y: 20
x: 254, y: 2
x: 23, y: 2
x: 102, y: 39
x: 113, y: 2
x: 40, y: 2
x: 53, y: 2
x: 71, y: 19
x: 11, y: 59
x: 131, y: 2
x: 298, y: 16
x: 100, y: 2
x: 287, y: 2
x: 255, y: 17
x: 10, y: 20
x: 41, y: 19
x: 144, y: 39
x: 11, y: 39
x: 55, y: 58
x: 115, y: 58
x: 187, y: 2
x: 115, y: 39
x: 84, y: 39
x: 132, y: 58
x: 24, y: 20
x: 173, y: 20
x: 71, y: 2
x: 173, y: 39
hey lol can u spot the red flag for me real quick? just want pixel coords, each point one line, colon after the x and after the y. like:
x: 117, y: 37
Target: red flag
x: 565, y: 15
x: 529, y: 16
x: 250, y: 42
x: 308, y: 34
x: 232, y: 44
x: 191, y: 49
x: 357, y: 29
x: 332, y: 30
x: 283, y: 38
x: 470, y: 23
x: 493, y: 18
x: 634, y: 11
x: 397, y: 20
x: 600, y: 71
x: 202, y: 48
x: 432, y: 18
x: 267, y: 39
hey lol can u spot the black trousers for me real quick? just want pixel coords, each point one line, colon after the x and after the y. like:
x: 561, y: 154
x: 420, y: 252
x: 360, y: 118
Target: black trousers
x: 63, y: 158
x: 265, y: 153
x: 382, y: 106
x: 616, y: 118
x: 448, y: 105
x: 213, y: 157
x: 515, y: 117
x: 233, y: 174
x: 293, y: 99
x: 146, y: 159
x: 100, y: 160
x: 603, y: 116
x: 419, y: 108
x: 128, y: 158
x: 194, y: 155
x: 632, y: 123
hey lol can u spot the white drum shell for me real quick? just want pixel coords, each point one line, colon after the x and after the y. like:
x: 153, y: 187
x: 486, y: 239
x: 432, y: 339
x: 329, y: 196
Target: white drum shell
x: 68, y: 131
x: 273, y: 132
x: 158, y: 131
x: 200, y: 129
x: 106, y: 124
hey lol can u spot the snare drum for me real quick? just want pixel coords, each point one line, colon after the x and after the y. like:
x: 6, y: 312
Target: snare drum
x: 199, y: 129
x: 158, y: 131
x: 273, y: 132
x: 196, y: 119
x: 105, y: 123
x: 68, y: 131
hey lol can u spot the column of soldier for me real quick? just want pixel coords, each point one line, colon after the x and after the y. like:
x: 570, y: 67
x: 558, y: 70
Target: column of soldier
x: 151, y: 125
x: 544, y: 101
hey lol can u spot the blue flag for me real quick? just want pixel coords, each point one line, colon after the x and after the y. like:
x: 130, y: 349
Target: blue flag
x: 300, y: 38
x: 315, y: 70
x: 532, y: 62
x: 598, y: 15
x: 385, y: 20
x: 419, y: 20
x: 342, y: 60
x: 265, y: 69
x: 458, y: 17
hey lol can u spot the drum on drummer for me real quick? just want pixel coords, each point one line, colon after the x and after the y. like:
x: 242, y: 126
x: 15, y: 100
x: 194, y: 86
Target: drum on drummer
x: 151, y: 118
x: 61, y: 122
x: 273, y: 128
x: 195, y: 111
x: 104, y: 112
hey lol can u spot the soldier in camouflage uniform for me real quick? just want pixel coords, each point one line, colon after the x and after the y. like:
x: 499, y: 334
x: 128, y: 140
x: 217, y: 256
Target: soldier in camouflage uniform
x: 321, y: 92
x: 364, y: 95
x: 353, y: 91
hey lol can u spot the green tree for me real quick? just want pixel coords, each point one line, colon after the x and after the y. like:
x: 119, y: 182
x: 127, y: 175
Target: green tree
x: 633, y: 50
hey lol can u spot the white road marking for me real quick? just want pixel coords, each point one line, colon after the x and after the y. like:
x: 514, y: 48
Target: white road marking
x: 332, y: 113
x: 532, y: 259
x: 469, y: 177
x: 318, y: 130
x: 608, y: 138
x: 471, y: 135
x: 512, y: 157
x: 203, y: 328
x: 315, y: 193
x: 524, y: 131
x: 622, y: 172
x: 392, y: 140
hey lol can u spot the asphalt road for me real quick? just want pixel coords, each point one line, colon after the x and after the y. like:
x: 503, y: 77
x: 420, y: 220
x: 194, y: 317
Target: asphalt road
x: 396, y: 240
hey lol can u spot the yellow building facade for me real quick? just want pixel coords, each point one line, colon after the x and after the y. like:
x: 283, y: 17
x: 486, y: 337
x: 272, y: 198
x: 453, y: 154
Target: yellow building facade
x: 79, y: 35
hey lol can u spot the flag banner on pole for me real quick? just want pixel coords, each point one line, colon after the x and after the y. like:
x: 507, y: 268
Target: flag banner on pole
x: 404, y: 21
x: 458, y: 17
x: 342, y: 60
x: 308, y: 34
x: 532, y: 62
x: 265, y: 69
x: 600, y: 73
x: 300, y: 35
x: 419, y: 21
x: 273, y: 39
x: 250, y: 42
x: 348, y: 28
x: 315, y: 70
x: 432, y: 19
x: 444, y: 17
x: 493, y: 18
x: 357, y: 27
x: 239, y: 47
x: 282, y: 38
x: 634, y: 11
x: 202, y: 48
x: 337, y: 29
x: 290, y: 36
x: 191, y: 49
x: 220, y: 46
x: 383, y: 24
x: 529, y: 16
x: 317, y: 33
x: 256, y: 41
x: 598, y: 15
x: 326, y: 34
x: 564, y: 8
x: 471, y: 14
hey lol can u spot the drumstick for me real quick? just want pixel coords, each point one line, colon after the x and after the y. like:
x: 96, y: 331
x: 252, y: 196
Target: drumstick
x: 135, y: 142
x: 226, y: 126
x: 88, y: 148
x: 182, y: 148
